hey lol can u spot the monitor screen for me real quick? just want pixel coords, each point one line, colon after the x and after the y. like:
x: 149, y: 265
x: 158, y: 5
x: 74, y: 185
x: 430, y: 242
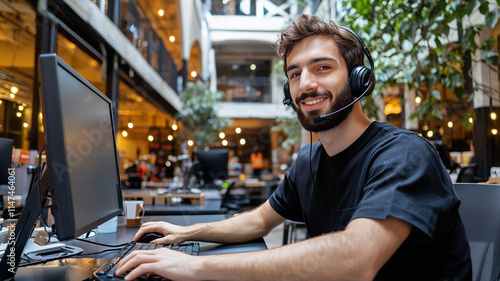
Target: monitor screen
x: 82, y: 160
x: 6, y: 146
x: 212, y: 164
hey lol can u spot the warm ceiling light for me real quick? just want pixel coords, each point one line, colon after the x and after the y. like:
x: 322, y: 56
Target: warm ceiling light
x: 171, y: 38
x: 21, y: 108
x: 174, y: 127
x: 25, y: 125
x: 190, y: 142
x: 243, y: 141
x: 124, y: 133
x: 493, y: 116
x: 224, y: 142
x: 161, y: 12
x: 222, y: 135
x: 494, y: 131
x: 193, y: 74
x: 19, y: 114
x: 238, y: 130
x: 12, y: 96
x: 170, y: 137
x: 471, y: 120
x: 150, y: 138
x: 450, y: 124
x: 430, y: 134
x: 130, y: 125
x: 418, y: 100
x: 14, y: 90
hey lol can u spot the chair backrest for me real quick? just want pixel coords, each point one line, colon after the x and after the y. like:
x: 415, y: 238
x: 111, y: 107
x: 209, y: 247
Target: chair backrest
x: 480, y: 212
x: 467, y: 173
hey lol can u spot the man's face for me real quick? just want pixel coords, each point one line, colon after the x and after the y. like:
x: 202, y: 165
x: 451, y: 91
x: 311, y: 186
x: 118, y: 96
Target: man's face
x: 318, y: 82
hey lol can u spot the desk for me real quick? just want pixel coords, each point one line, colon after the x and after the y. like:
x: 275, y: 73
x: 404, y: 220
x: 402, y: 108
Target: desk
x: 82, y: 268
x: 212, y: 205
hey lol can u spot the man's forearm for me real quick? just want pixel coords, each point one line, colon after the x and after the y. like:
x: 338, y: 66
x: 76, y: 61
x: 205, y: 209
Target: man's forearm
x: 244, y: 227
x: 356, y: 253
x: 321, y: 258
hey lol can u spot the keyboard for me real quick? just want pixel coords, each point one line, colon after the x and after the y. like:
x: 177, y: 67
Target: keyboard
x: 107, y: 270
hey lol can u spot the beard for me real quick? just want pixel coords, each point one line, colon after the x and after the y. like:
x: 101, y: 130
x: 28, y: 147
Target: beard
x: 343, y: 98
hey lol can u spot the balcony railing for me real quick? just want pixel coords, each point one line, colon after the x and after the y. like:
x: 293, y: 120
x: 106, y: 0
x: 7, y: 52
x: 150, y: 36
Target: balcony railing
x: 257, y: 8
x: 140, y: 32
x: 244, y: 89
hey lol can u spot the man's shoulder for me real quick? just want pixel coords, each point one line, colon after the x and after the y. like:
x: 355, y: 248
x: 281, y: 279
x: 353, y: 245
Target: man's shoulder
x: 386, y: 130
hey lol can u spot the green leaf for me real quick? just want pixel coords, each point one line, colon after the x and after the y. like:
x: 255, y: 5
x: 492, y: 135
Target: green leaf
x: 387, y: 38
x: 491, y: 19
x: 484, y: 7
x: 459, y: 93
x: 487, y: 54
x: 436, y: 94
x: 493, y: 60
x: 430, y: 81
x: 471, y: 5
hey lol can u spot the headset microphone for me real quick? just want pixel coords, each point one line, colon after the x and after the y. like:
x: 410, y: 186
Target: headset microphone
x: 321, y: 118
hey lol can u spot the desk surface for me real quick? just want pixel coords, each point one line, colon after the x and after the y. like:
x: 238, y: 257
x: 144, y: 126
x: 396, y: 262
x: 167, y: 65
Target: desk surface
x: 82, y: 268
x: 212, y: 205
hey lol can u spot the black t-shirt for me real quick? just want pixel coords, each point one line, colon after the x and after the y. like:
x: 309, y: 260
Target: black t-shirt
x: 385, y: 172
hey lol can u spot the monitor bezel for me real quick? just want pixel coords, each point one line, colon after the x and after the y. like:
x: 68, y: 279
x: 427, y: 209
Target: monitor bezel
x: 54, y: 141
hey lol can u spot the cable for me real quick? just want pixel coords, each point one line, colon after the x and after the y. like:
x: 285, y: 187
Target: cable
x: 101, y: 244
x: 97, y: 253
x: 313, y: 179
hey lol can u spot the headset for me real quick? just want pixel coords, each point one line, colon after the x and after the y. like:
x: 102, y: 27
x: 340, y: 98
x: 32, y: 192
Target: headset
x: 361, y: 80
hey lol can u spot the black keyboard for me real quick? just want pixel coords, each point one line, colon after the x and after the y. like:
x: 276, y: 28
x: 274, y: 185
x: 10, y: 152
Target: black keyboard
x: 107, y: 270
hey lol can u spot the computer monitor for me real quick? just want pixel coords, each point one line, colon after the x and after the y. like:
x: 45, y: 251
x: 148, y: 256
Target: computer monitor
x: 82, y: 162
x: 212, y: 164
x: 6, y: 146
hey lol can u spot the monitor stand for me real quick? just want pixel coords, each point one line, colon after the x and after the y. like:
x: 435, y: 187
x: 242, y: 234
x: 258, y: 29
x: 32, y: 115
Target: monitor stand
x: 70, y: 269
x: 24, y: 227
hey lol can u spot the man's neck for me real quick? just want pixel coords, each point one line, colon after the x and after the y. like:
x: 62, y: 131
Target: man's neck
x: 339, y: 138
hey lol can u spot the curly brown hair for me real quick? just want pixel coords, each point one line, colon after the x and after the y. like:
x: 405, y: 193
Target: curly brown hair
x: 306, y: 25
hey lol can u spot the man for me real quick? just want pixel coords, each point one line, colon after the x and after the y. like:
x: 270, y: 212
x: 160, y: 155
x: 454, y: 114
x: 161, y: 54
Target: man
x: 376, y: 200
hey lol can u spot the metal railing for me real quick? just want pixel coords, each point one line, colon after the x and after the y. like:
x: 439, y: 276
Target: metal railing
x: 140, y: 32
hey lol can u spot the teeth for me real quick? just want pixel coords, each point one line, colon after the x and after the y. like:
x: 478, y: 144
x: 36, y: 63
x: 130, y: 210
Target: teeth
x: 311, y: 102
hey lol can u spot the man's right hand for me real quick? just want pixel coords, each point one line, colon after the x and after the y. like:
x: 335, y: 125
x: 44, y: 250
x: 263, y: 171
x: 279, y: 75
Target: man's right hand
x: 173, y: 234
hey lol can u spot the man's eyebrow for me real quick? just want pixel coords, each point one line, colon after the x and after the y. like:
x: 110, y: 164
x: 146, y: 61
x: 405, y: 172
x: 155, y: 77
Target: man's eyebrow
x: 312, y: 61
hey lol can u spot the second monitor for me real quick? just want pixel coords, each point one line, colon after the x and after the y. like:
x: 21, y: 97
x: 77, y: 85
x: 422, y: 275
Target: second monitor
x: 213, y: 164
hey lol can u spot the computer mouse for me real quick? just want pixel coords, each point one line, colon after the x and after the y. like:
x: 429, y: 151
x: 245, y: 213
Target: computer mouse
x: 148, y: 237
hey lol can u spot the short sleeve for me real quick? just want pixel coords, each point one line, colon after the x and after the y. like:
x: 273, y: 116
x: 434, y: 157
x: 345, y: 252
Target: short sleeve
x: 407, y: 182
x: 285, y: 200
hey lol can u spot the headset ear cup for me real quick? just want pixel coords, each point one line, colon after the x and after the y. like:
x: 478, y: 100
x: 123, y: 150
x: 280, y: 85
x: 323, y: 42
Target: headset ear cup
x: 288, y: 97
x: 360, y: 79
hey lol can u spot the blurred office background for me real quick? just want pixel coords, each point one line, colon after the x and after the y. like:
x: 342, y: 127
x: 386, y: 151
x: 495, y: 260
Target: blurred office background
x: 142, y: 54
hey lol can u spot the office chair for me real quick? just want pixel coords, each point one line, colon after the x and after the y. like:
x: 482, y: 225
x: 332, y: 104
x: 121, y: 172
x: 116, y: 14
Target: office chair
x: 290, y: 231
x: 467, y: 173
x: 235, y: 198
x: 480, y: 212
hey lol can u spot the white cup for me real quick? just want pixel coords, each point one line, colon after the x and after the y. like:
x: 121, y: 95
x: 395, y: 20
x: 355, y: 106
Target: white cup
x: 134, y: 209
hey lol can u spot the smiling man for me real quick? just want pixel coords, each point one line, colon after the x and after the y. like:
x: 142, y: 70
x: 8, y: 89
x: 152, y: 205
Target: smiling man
x: 376, y: 200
